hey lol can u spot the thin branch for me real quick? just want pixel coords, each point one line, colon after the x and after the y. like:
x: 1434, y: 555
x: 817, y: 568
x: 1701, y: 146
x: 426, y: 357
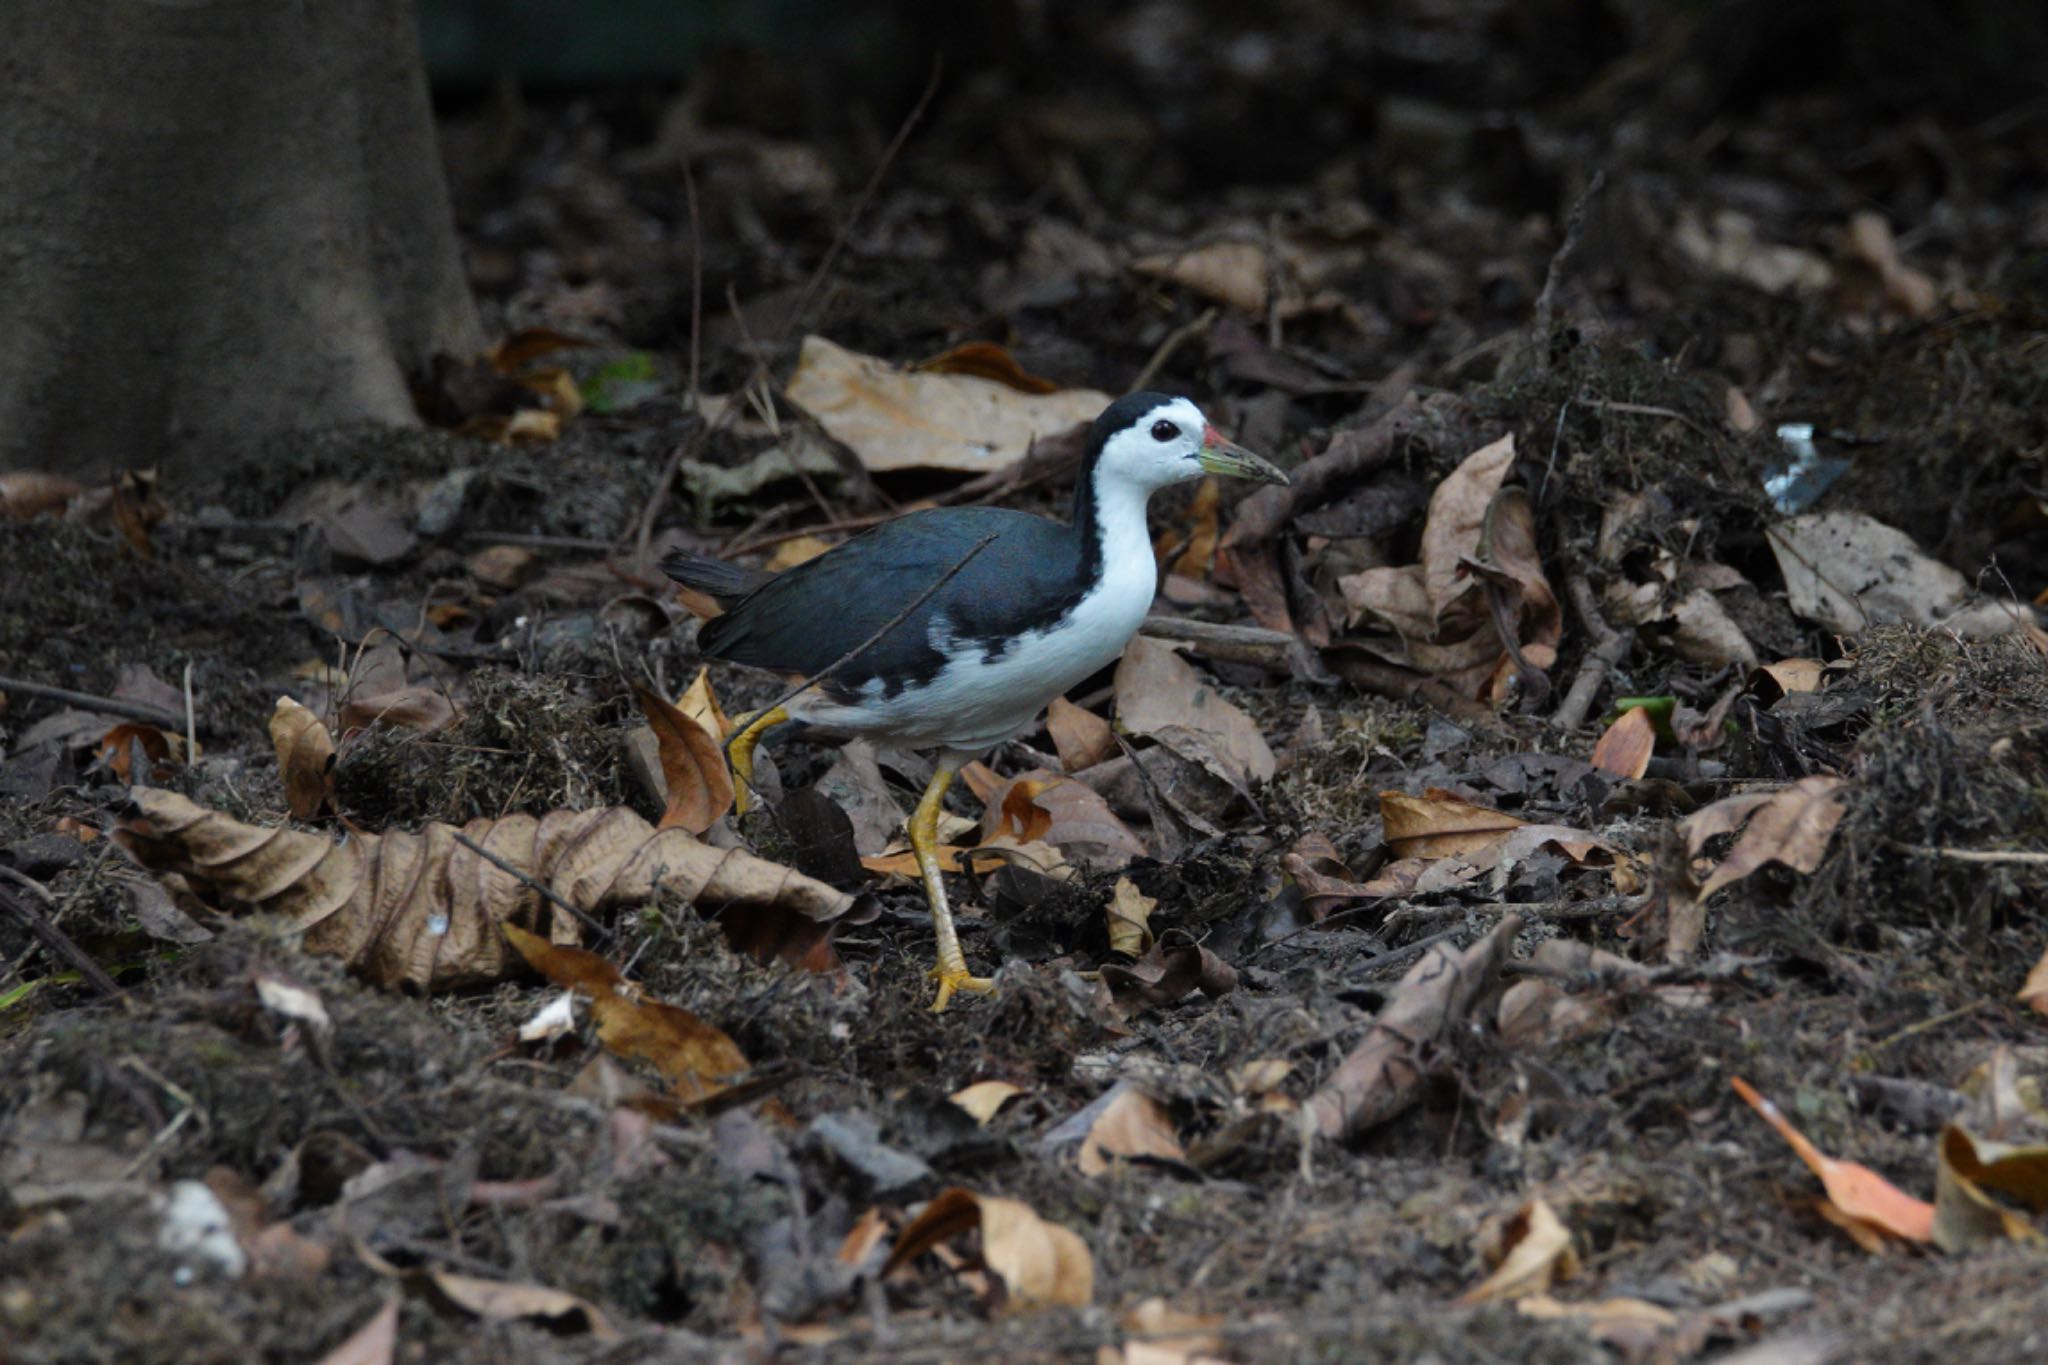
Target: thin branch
x: 1610, y: 647
x: 545, y: 893
x: 1177, y: 338
x: 55, y: 939
x: 1574, y: 225
x: 1971, y: 855
x: 113, y: 706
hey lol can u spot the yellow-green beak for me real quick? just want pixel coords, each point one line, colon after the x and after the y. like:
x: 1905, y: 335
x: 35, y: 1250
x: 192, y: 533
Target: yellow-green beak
x: 1232, y: 460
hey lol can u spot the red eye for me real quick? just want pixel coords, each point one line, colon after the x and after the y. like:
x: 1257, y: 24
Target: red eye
x: 1164, y: 431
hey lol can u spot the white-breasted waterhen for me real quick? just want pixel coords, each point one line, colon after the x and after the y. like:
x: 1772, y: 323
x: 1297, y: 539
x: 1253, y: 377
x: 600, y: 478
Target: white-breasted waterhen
x: 1031, y: 608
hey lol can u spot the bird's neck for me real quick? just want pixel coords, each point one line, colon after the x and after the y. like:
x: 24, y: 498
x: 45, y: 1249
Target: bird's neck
x: 1109, y: 523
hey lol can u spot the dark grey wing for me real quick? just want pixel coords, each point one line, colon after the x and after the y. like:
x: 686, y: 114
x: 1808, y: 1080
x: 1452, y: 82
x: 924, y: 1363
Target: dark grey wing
x: 803, y: 620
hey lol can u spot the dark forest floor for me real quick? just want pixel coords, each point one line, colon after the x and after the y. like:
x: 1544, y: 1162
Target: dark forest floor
x: 1315, y: 232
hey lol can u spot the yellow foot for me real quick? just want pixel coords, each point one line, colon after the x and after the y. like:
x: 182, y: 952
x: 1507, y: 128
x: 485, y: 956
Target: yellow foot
x: 960, y: 980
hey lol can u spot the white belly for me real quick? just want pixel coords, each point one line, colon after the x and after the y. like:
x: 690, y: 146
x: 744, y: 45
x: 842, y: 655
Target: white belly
x: 975, y: 703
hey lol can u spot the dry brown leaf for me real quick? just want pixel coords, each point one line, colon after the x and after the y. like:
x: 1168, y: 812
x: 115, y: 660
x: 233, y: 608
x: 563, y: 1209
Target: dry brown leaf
x: 984, y: 1098
x: 1171, y: 1336
x: 1042, y: 806
x: 1536, y: 1253
x: 379, y: 694
x: 2034, y: 994
x: 305, y: 758
x: 892, y: 419
x: 1791, y: 826
x: 1479, y: 573
x: 1238, y: 274
x: 1317, y: 871
x: 1625, y: 748
x: 696, y: 1059
x: 1082, y: 738
x: 1849, y: 572
x: 694, y: 773
x: 504, y: 567
x: 1730, y: 245
x: 1964, y: 1214
x: 1130, y: 914
x: 1041, y: 1264
x: 1870, y: 244
x: 1163, y: 975
x: 120, y: 747
x: 374, y: 1343
x: 1159, y: 694
x: 1856, y: 1192
x: 1383, y: 1075
x: 986, y: 360
x: 1793, y: 675
x: 1438, y: 825
x: 498, y: 1299
x: 422, y: 910
x: 1132, y: 1124
x: 26, y: 493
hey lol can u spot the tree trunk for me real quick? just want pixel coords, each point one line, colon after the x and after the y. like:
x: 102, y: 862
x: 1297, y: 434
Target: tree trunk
x: 219, y: 220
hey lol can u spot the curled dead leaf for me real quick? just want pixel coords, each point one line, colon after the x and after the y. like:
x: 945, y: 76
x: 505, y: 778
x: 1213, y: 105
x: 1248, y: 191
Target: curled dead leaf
x: 1383, y: 1075
x: 1133, y: 1124
x: 1082, y: 738
x: 1159, y: 694
x: 1130, y: 913
x: 698, y: 782
x: 1163, y: 975
x: 499, y: 1299
x: 696, y: 1058
x: 423, y: 910
x: 1536, y: 1252
x: 984, y: 1098
x: 1791, y: 825
x: 305, y: 758
x: 1438, y: 825
x: 1041, y: 1264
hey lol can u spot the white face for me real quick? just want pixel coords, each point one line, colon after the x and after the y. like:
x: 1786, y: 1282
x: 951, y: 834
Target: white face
x: 1158, y: 449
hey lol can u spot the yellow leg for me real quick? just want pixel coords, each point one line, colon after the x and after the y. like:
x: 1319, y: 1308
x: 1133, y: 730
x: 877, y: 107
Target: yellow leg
x: 740, y: 751
x: 951, y: 972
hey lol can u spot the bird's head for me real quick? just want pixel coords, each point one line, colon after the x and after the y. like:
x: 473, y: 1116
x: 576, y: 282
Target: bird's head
x: 1151, y: 440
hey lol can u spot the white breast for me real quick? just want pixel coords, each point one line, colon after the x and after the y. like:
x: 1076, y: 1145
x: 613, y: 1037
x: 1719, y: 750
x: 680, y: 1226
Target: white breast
x: 975, y: 702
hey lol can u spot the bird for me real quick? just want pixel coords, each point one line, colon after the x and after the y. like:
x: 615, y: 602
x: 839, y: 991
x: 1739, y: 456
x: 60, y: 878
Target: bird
x: 952, y: 628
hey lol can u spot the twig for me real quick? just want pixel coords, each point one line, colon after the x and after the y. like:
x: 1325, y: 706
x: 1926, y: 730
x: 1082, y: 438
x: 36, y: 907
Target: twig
x: 696, y: 277
x: 191, y: 719
x: 1574, y: 224
x: 546, y: 893
x: 804, y: 684
x: 534, y: 542
x: 1971, y: 855
x: 113, y: 706
x: 55, y: 939
x: 1164, y: 352
x: 697, y: 439
x: 1610, y: 646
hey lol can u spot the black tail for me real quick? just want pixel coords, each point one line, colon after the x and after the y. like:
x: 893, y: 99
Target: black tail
x: 723, y: 582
